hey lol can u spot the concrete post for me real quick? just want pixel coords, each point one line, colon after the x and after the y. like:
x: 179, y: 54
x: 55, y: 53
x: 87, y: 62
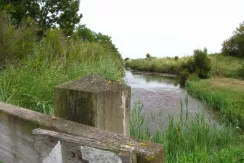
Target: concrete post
x: 96, y: 102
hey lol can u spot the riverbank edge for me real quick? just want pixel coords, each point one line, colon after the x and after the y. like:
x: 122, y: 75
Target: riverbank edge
x: 227, y: 114
x: 209, y: 95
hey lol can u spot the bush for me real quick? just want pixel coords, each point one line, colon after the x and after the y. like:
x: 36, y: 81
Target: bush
x: 176, y: 58
x: 189, y: 65
x: 183, y: 76
x: 126, y: 59
x: 15, y: 43
x: 202, y: 63
x: 148, y: 55
x: 241, y: 71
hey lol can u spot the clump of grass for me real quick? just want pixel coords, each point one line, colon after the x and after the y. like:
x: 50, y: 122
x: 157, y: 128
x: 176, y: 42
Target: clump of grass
x: 223, y: 94
x: 138, y: 123
x: 191, y: 140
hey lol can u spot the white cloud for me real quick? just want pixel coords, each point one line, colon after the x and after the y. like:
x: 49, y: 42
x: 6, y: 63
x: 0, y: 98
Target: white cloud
x: 163, y: 27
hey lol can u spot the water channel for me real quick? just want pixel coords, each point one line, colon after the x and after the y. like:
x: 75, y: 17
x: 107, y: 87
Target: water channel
x: 161, y: 96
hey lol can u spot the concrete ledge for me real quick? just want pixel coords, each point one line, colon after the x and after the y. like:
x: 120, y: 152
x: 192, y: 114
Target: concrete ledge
x: 19, y: 122
x: 75, y: 149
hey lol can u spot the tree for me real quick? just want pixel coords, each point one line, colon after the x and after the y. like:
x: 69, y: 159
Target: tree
x: 126, y: 59
x: 176, y: 58
x: 148, y: 55
x: 234, y: 46
x: 200, y: 64
x: 47, y: 13
x: 84, y: 33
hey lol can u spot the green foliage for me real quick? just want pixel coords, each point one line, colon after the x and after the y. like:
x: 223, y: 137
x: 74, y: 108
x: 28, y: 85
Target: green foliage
x: 224, y: 95
x: 31, y: 67
x: 183, y: 76
x: 15, y: 43
x: 199, y: 64
x: 126, y: 59
x: 191, y: 140
x: 163, y: 65
x: 234, y: 46
x: 241, y: 71
x: 148, y: 55
x: 85, y: 34
x: 30, y: 83
x: 176, y: 58
x: 48, y: 14
x: 202, y: 63
x: 189, y: 65
x: 138, y: 123
x: 225, y: 66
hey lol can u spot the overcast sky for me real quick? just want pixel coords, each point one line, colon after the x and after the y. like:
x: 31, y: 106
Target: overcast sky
x: 163, y: 27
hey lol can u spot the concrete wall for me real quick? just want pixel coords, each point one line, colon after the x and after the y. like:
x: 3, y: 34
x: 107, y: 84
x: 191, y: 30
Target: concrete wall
x: 31, y: 137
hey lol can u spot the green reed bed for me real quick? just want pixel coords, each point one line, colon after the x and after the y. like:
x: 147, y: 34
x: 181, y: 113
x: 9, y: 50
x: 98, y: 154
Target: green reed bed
x: 225, y: 95
x: 191, y: 140
x: 162, y: 65
x: 53, y: 61
x: 221, y: 66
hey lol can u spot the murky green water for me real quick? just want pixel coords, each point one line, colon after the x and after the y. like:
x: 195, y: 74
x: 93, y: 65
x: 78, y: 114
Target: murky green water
x: 161, y: 96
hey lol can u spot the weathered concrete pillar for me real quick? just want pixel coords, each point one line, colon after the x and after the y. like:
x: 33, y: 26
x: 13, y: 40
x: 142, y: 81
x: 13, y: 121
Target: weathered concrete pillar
x: 96, y: 102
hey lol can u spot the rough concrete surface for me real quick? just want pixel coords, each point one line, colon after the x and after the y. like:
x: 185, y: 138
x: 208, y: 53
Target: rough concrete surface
x: 17, y: 124
x: 96, y: 102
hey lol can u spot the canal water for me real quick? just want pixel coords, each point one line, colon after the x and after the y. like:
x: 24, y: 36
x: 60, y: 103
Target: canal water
x: 161, y: 96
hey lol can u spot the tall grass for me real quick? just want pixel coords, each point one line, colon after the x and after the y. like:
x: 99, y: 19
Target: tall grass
x: 162, y: 65
x: 225, y: 66
x: 191, y: 140
x: 224, y: 95
x: 29, y: 83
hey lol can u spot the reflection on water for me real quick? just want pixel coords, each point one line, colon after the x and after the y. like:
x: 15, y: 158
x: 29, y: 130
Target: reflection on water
x: 142, y: 80
x: 161, y: 95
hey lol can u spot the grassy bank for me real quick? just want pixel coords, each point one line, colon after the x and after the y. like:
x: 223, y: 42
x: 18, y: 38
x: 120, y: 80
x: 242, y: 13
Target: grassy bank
x: 225, y: 66
x: 29, y: 83
x: 223, y: 94
x: 161, y: 65
x: 192, y: 141
x: 222, y: 66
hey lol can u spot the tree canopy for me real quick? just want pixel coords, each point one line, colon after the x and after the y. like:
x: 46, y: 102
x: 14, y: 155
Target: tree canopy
x: 47, y: 13
x: 85, y: 34
x: 234, y: 46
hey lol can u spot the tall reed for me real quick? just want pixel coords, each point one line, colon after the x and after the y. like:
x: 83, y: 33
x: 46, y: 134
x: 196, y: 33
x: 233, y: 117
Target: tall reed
x: 191, y: 140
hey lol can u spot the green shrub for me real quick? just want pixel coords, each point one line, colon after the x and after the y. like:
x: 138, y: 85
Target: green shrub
x: 126, y: 59
x: 189, y: 65
x: 202, y: 63
x: 15, y: 43
x: 148, y: 55
x: 183, y: 76
x: 176, y: 58
x: 241, y: 71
